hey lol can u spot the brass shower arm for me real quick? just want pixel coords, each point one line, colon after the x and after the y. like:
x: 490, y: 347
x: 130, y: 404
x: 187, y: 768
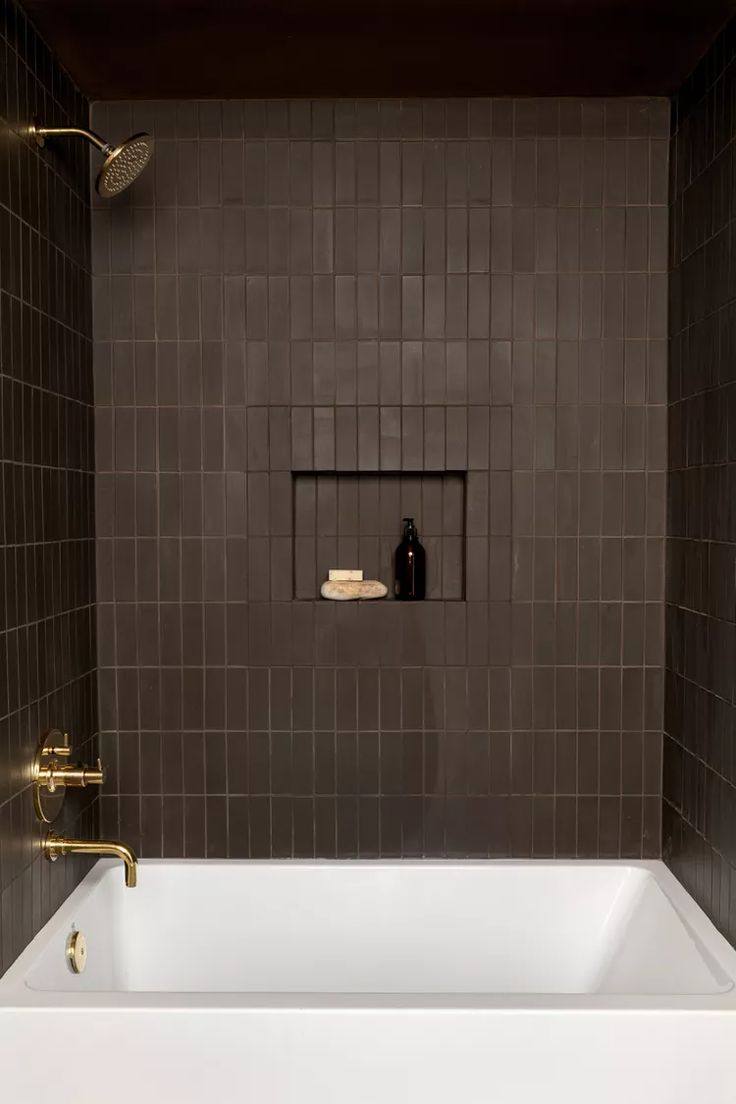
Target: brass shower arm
x: 41, y: 133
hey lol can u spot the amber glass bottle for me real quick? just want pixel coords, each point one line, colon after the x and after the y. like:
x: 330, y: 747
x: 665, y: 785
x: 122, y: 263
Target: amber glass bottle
x: 410, y: 566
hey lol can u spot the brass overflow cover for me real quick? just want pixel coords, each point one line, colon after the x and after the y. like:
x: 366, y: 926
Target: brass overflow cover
x: 76, y: 952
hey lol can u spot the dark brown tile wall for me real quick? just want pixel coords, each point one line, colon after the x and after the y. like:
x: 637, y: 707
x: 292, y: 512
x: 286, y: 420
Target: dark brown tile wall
x: 475, y: 287
x: 47, y: 627
x: 699, y: 827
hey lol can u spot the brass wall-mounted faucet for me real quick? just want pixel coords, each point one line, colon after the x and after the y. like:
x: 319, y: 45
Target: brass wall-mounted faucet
x: 52, y: 776
x: 54, y: 846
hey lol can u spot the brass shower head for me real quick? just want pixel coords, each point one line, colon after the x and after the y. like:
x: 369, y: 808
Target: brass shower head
x: 123, y: 163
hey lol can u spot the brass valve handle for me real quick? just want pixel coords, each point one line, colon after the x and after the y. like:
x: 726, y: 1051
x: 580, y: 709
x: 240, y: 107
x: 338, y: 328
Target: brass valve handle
x: 78, y: 774
x: 63, y: 751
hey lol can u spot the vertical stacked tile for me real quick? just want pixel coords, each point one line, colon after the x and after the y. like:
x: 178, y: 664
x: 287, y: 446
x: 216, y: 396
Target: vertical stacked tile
x: 699, y: 824
x: 307, y: 317
x: 47, y: 646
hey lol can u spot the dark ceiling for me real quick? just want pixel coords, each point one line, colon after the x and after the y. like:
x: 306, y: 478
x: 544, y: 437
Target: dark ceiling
x: 236, y: 48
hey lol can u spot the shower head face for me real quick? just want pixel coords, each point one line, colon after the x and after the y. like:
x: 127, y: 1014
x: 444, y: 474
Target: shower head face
x: 124, y: 164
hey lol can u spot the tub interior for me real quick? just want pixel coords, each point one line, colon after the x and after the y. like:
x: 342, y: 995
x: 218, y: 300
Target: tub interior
x: 380, y: 928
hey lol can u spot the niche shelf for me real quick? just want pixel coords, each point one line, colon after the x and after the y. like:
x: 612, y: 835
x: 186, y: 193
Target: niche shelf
x: 354, y: 519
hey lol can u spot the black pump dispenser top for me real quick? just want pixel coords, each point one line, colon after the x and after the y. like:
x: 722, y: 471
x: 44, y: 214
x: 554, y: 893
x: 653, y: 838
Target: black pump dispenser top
x: 410, y: 529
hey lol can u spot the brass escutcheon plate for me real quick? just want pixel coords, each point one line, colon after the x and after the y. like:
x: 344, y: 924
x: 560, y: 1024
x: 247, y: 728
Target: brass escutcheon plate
x: 52, y: 750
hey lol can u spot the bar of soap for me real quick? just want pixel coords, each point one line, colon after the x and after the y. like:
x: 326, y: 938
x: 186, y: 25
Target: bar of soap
x: 342, y: 575
x: 353, y: 590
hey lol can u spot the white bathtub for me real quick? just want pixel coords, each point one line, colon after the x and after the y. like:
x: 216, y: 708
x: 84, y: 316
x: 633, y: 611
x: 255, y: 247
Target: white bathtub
x: 374, y: 983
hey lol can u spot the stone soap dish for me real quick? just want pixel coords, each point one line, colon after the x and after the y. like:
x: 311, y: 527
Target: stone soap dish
x: 353, y: 590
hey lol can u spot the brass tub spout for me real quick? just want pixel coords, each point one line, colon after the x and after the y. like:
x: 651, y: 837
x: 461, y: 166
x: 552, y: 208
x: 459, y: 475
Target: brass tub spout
x: 54, y: 845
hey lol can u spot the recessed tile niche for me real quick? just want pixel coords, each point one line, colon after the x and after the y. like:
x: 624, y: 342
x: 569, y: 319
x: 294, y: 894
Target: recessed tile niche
x: 354, y: 520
